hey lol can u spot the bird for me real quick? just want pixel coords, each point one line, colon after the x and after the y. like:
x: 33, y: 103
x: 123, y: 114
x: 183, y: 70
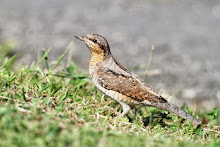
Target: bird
x: 122, y: 85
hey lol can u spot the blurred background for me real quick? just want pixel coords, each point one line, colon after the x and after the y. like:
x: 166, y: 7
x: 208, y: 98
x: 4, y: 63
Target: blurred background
x: 185, y: 33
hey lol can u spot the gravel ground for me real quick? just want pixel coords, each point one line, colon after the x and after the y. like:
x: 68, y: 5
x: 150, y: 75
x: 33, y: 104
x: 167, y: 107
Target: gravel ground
x: 185, y: 34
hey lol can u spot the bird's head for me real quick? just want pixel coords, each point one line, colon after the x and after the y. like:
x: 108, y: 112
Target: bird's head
x: 96, y: 43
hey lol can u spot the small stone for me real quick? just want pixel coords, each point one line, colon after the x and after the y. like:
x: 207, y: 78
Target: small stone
x: 218, y: 95
x: 189, y: 93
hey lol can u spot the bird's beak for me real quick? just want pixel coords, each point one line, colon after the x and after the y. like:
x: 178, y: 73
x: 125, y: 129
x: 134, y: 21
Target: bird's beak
x: 80, y: 38
x: 86, y: 41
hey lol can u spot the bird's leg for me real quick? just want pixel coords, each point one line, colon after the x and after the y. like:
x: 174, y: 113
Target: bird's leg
x: 126, y: 109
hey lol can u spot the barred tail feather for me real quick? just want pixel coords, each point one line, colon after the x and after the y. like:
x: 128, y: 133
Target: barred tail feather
x: 174, y: 109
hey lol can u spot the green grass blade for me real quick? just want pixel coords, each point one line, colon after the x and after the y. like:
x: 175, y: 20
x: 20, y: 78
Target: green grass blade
x: 43, y: 58
x: 61, y: 57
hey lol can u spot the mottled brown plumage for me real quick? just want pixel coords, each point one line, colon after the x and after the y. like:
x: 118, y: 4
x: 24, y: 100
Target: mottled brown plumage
x: 127, y: 85
x: 121, y: 84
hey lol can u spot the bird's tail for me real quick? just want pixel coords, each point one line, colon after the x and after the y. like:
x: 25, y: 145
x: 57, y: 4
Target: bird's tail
x: 174, y: 109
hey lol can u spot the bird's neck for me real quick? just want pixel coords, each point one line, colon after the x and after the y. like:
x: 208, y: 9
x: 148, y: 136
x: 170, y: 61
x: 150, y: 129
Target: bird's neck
x: 97, y: 57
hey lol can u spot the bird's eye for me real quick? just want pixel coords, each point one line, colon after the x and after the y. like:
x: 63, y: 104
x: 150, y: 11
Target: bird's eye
x: 94, y: 40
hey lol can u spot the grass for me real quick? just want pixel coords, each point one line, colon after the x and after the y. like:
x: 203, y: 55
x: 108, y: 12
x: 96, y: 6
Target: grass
x: 39, y: 107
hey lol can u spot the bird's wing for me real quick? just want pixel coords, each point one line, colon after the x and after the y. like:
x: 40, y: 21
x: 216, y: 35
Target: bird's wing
x: 129, y: 85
